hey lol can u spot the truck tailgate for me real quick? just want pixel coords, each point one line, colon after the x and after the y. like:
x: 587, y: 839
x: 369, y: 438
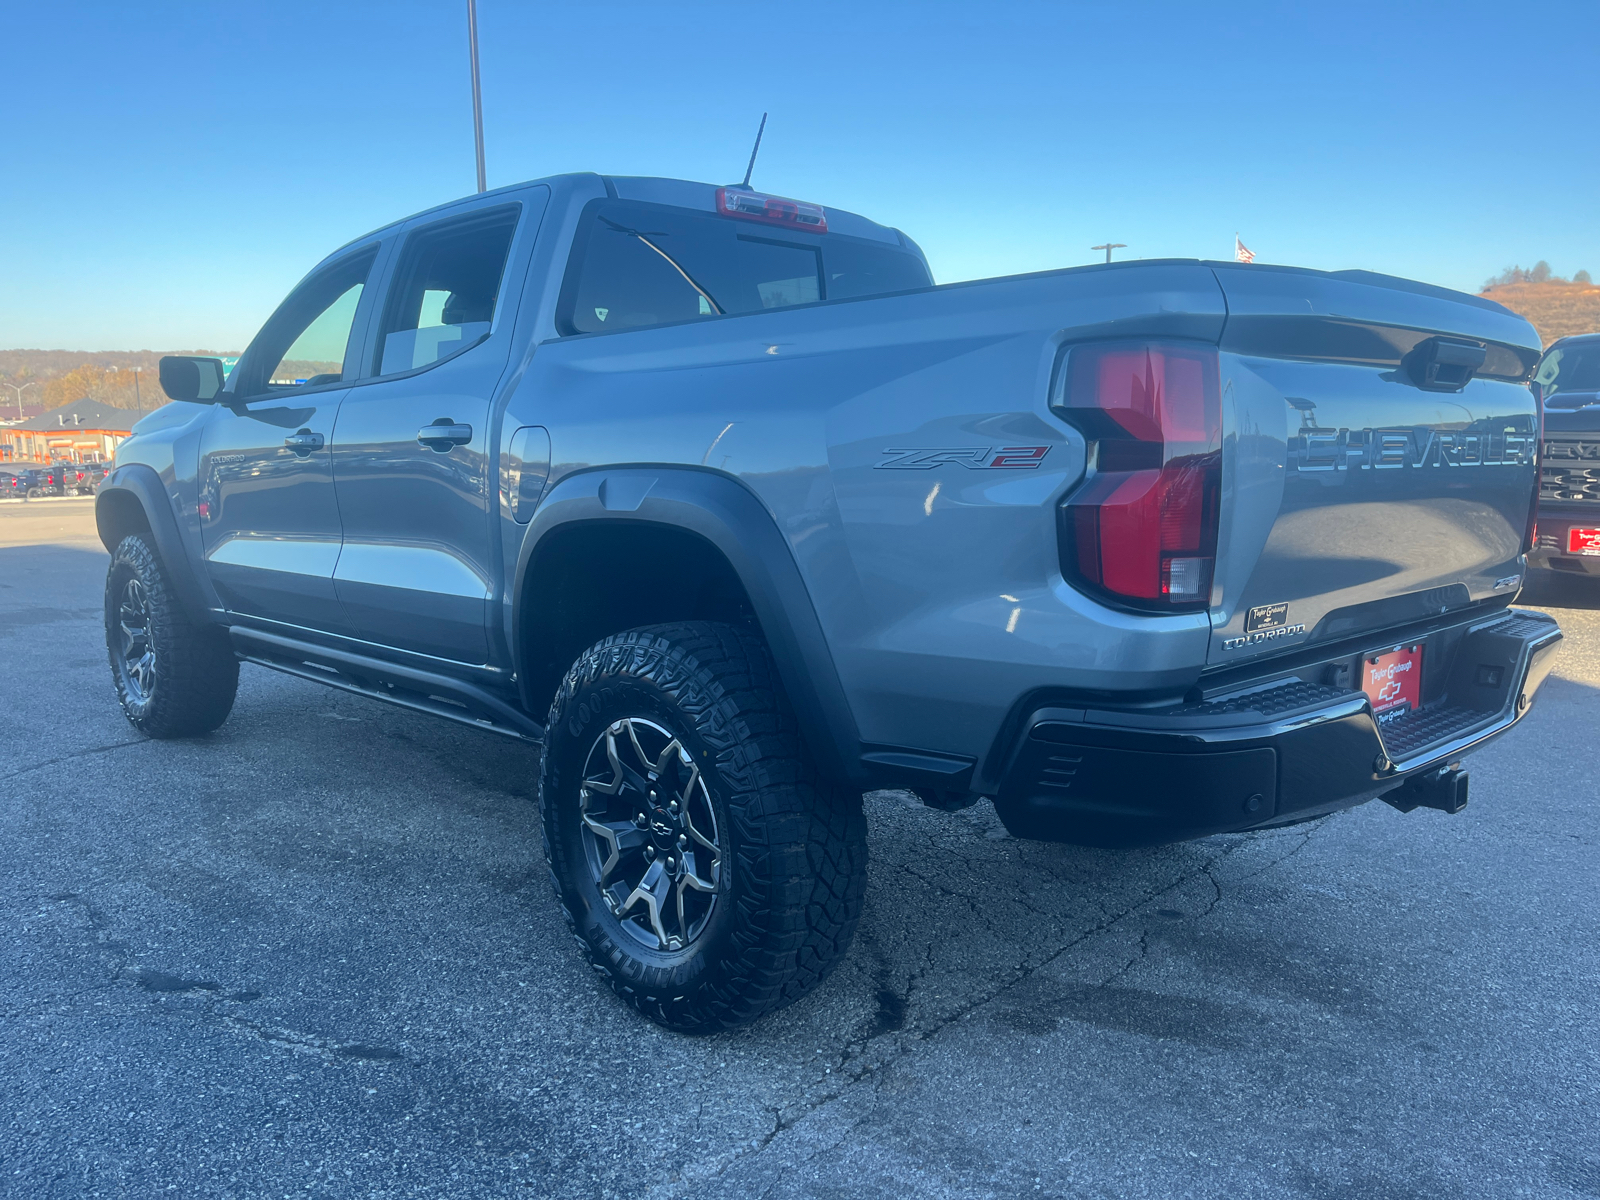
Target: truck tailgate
x: 1362, y: 489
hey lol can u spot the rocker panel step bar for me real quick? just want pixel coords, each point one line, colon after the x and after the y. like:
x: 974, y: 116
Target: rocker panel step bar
x: 421, y: 691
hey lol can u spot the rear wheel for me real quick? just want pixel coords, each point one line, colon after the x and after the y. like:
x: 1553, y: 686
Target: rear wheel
x: 174, y: 678
x: 706, y: 867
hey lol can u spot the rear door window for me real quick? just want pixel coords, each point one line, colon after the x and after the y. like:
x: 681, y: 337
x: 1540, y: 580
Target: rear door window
x: 636, y: 265
x: 444, y: 291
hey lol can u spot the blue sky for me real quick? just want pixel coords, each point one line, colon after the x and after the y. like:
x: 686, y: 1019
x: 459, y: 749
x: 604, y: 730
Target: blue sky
x: 171, y: 170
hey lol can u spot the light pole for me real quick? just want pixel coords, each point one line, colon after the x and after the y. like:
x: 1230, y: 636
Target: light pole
x: 1109, y: 247
x: 19, y: 391
x: 477, y: 92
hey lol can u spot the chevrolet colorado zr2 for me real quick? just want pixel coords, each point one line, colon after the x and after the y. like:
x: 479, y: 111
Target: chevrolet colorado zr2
x: 718, y: 501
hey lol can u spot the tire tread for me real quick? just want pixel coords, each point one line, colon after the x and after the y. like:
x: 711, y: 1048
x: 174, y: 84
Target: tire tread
x: 197, y: 674
x: 801, y: 839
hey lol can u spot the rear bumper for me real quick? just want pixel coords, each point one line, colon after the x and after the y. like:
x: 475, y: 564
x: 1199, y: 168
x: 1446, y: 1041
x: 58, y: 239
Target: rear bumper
x: 1567, y: 564
x: 1285, y: 751
x: 1551, y: 550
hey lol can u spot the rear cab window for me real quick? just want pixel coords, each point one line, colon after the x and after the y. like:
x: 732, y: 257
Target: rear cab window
x: 636, y: 264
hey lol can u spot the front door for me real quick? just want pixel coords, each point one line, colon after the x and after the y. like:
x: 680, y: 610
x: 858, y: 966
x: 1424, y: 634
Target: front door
x: 411, y: 448
x: 268, y: 514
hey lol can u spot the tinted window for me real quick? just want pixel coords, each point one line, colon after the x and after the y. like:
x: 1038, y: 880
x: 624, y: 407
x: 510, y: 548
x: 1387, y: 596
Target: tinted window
x: 444, y: 291
x: 319, y: 350
x: 1571, y: 368
x: 305, y: 343
x: 636, y: 265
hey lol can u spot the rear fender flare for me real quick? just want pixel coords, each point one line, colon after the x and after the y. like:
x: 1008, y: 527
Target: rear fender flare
x: 728, y: 515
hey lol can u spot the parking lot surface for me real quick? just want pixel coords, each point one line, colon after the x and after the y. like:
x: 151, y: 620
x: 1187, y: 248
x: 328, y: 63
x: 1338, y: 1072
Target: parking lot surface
x: 317, y: 954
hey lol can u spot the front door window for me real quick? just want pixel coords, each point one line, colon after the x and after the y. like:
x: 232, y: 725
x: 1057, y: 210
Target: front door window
x: 307, y: 342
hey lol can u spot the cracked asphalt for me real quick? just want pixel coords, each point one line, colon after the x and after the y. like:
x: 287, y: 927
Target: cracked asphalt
x: 316, y: 954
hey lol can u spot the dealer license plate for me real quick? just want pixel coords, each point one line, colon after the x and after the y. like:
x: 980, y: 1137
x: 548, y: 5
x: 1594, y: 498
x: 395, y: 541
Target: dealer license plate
x: 1393, y: 681
x: 1583, y: 541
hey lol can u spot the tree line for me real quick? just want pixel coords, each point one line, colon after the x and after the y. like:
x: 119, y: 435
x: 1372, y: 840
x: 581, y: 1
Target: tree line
x: 50, y: 378
x: 1538, y: 273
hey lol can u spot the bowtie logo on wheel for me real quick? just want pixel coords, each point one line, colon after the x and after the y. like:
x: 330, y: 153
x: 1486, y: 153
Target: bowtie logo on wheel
x: 974, y: 458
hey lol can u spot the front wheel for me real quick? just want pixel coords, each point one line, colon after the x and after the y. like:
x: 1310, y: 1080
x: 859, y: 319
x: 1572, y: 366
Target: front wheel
x: 705, y: 866
x: 174, y: 677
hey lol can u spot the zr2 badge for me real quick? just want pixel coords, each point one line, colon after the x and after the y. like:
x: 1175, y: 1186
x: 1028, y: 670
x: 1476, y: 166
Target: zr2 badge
x: 974, y: 458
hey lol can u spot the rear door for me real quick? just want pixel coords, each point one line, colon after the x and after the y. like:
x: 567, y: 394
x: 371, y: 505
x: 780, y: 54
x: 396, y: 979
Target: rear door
x: 1365, y: 485
x: 411, y: 451
x: 268, y: 515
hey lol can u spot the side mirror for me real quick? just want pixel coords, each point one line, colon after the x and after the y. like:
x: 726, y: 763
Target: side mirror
x: 197, y: 380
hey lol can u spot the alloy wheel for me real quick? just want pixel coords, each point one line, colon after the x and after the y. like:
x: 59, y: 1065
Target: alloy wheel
x: 135, y: 650
x: 650, y: 834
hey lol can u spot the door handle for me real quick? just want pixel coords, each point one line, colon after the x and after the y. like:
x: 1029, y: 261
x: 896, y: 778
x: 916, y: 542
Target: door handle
x: 304, y: 442
x: 444, y: 434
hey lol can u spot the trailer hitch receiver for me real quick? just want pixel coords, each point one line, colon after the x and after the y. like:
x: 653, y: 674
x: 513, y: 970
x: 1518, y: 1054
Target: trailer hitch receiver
x: 1444, y: 789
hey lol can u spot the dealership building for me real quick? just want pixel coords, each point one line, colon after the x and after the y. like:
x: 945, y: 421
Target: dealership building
x: 84, y: 431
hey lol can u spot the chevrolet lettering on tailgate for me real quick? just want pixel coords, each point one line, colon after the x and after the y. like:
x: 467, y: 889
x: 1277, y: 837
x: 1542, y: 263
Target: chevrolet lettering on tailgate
x: 1396, y: 449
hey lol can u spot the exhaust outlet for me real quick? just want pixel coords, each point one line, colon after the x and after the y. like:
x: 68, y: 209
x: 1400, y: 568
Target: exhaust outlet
x: 1444, y: 789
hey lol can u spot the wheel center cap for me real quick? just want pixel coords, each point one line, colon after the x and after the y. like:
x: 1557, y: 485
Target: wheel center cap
x: 663, y: 825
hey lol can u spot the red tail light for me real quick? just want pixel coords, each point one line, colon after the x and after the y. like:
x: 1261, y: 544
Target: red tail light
x: 1143, y: 528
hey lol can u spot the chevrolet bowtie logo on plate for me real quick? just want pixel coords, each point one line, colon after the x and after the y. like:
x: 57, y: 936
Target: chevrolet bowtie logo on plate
x: 974, y: 458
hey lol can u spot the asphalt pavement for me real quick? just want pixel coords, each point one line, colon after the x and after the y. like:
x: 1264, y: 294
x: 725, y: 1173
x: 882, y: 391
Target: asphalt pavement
x: 316, y: 954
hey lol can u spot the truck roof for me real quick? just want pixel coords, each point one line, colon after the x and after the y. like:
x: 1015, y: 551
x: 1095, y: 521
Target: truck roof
x: 682, y: 193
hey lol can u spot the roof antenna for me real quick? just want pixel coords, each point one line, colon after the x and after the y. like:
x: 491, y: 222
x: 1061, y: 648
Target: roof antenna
x: 754, y: 150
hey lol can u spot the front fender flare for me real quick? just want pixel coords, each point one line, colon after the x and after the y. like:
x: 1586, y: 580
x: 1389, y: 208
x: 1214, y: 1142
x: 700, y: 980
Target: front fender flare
x: 141, y: 483
x: 725, y: 513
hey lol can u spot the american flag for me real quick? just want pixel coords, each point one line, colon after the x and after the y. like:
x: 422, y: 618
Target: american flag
x: 1241, y: 252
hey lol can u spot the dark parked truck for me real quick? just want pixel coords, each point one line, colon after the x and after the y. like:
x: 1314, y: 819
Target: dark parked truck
x: 720, y: 502
x: 1568, y: 538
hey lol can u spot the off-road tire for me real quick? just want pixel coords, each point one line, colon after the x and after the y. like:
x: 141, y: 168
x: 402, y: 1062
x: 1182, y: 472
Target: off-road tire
x: 193, y: 675
x: 793, y: 844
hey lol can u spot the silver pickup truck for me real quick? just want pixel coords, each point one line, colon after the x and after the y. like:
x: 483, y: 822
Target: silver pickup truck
x: 718, y: 501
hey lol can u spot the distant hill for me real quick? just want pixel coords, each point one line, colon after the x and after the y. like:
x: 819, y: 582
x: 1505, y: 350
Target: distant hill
x: 120, y: 378
x: 1556, y: 307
